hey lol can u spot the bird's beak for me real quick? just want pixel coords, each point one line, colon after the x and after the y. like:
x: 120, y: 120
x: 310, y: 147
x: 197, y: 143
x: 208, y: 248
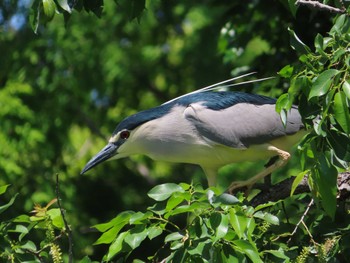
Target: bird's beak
x: 106, y: 153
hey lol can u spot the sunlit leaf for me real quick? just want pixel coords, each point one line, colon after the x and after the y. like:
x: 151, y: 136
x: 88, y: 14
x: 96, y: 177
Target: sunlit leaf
x: 64, y: 5
x: 154, y: 231
x: 239, y: 222
x: 49, y: 8
x: 173, y: 236
x: 29, y: 245
x: 122, y: 218
x: 346, y: 89
x: 278, y: 254
x: 174, y: 201
x: 267, y: 217
x: 117, y: 246
x: 322, y: 83
x: 138, y: 217
x: 3, y: 188
x: 248, y: 249
x: 136, y: 236
x: 341, y: 111
x: 56, y: 217
x: 286, y: 71
x: 164, y: 191
x: 219, y: 224
x: 298, y: 180
x: 227, y: 199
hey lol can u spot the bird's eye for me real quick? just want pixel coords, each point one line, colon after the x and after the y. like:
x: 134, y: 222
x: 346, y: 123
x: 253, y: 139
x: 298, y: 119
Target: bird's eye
x: 124, y: 134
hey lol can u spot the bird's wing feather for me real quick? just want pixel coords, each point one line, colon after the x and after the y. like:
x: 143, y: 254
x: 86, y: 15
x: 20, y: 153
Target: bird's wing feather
x: 242, y: 124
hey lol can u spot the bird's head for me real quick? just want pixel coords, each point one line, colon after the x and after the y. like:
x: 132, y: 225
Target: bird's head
x: 125, y: 139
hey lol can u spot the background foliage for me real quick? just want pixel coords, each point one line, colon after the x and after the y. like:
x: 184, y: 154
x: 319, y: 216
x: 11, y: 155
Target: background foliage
x: 65, y: 88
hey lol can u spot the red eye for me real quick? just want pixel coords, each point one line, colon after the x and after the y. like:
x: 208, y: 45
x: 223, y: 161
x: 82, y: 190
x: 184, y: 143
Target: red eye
x: 124, y: 134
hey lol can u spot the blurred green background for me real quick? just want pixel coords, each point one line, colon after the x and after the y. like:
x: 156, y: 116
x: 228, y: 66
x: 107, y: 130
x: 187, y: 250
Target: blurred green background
x: 64, y: 89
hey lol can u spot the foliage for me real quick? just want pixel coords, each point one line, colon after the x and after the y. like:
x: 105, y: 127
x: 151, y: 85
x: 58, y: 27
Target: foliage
x: 43, y: 11
x: 219, y: 228
x: 16, y: 244
x: 65, y: 88
x: 321, y: 84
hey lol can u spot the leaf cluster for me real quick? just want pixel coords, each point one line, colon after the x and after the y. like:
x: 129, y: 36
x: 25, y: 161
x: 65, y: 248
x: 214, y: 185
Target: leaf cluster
x: 320, y: 82
x: 220, y: 228
x: 43, y: 11
x: 17, y: 234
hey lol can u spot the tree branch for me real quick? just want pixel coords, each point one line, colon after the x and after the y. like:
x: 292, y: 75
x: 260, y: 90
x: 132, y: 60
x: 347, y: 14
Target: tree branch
x: 320, y: 6
x: 282, y: 190
x: 68, y: 229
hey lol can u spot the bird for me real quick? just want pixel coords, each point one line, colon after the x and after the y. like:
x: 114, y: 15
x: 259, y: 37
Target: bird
x: 210, y: 128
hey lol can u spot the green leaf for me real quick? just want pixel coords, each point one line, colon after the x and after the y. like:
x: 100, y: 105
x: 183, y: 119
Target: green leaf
x: 322, y: 83
x: 3, y: 188
x: 173, y: 202
x: 64, y: 5
x: 248, y: 249
x: 297, y: 44
x: 219, y: 224
x: 56, y: 217
x: 286, y: 71
x: 283, y: 104
x: 49, y: 8
x: 338, y: 25
x: 122, y: 218
x: 30, y: 245
x: 199, y: 248
x: 164, y: 191
x: 238, y: 222
x: 117, y: 246
x: 346, y: 89
x: 86, y: 259
x: 95, y: 6
x: 319, y: 42
x: 112, y: 228
x: 154, y: 231
x: 19, y: 229
x: 340, y: 144
x: 267, y: 217
x: 4, y: 207
x: 341, y: 111
x: 293, y: 7
x: 226, y: 199
x: 187, y: 208
x: 326, y: 180
x: 138, y: 217
x: 278, y: 254
x: 136, y: 236
x: 297, y: 181
x: 173, y: 236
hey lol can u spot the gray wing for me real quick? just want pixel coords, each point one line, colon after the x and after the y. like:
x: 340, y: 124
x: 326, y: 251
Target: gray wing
x: 242, y: 124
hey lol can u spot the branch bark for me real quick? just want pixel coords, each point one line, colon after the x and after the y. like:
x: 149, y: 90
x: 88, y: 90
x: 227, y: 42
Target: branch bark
x: 320, y: 6
x: 282, y: 190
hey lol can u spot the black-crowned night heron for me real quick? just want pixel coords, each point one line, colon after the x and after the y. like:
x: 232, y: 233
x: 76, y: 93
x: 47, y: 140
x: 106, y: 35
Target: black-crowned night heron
x: 208, y: 128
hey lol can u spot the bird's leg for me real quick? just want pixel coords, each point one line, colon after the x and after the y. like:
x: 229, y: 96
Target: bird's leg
x: 211, y: 176
x: 283, y: 159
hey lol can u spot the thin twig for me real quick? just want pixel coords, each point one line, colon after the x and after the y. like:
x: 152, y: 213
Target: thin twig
x: 320, y: 6
x: 68, y: 229
x: 302, y: 221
